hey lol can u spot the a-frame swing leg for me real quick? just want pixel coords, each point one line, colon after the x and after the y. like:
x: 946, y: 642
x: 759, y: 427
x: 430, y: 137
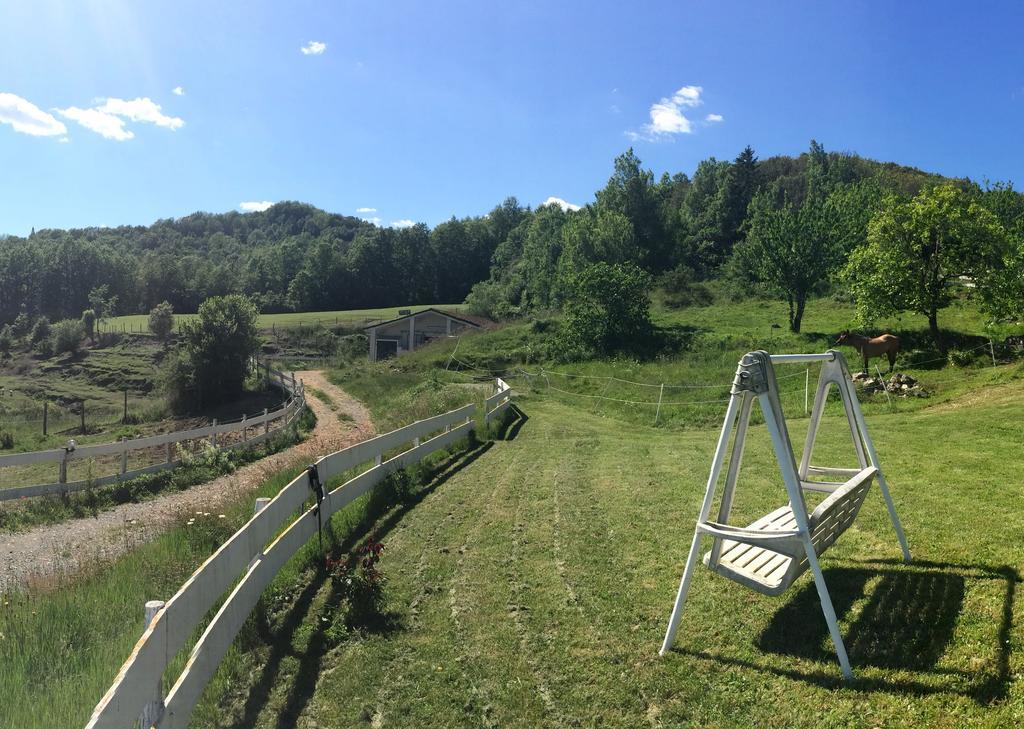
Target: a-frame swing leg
x: 828, y: 609
x: 705, y: 509
x: 872, y: 456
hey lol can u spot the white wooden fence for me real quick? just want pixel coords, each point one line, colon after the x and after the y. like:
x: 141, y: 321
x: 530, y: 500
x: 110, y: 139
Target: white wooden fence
x: 246, y: 564
x: 253, y: 430
x: 497, y: 403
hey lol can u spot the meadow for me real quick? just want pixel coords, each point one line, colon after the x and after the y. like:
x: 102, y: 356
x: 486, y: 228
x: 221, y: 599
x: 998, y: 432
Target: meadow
x: 528, y: 580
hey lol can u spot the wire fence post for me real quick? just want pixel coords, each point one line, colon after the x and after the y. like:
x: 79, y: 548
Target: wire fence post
x: 992, y: 351
x: 124, y: 418
x: 82, y: 408
x: 46, y: 412
x: 807, y: 388
x: 661, y: 394
x: 885, y: 386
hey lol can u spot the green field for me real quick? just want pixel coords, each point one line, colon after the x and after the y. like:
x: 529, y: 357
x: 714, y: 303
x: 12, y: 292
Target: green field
x: 529, y: 581
x: 291, y: 320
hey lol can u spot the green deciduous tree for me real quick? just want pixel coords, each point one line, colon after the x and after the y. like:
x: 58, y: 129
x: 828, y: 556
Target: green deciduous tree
x: 791, y: 251
x: 216, y: 349
x: 89, y: 324
x: 917, y: 250
x: 161, y: 321
x: 607, y: 310
x: 67, y: 336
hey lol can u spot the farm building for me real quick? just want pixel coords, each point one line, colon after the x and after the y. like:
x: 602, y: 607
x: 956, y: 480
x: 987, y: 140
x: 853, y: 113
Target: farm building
x: 412, y: 331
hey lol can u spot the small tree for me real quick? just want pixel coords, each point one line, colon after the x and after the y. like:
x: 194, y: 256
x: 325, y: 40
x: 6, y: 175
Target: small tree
x: 791, y: 251
x: 6, y: 340
x: 89, y: 324
x: 161, y: 321
x: 103, y: 304
x: 67, y: 336
x: 217, y: 346
x: 607, y: 309
x: 40, y: 330
x: 917, y: 250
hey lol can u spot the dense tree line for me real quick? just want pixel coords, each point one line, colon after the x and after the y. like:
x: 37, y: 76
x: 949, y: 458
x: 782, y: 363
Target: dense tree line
x: 788, y: 226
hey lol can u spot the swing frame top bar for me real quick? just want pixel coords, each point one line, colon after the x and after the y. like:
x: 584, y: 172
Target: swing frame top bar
x: 800, y: 358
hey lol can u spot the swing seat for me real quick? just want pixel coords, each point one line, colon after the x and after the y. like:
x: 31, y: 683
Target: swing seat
x: 768, y: 555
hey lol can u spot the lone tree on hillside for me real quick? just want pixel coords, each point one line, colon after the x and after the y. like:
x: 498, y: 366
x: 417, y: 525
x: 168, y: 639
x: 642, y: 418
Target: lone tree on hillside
x: 214, y: 355
x: 917, y: 250
x: 161, y: 321
x: 89, y: 324
x: 791, y: 251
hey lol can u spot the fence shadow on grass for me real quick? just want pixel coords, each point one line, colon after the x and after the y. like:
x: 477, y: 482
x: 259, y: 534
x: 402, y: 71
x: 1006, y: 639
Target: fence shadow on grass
x: 511, y: 423
x: 379, y: 520
x: 906, y: 625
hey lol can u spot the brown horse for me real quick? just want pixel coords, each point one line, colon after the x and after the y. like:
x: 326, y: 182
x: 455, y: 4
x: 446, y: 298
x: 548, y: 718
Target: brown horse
x: 887, y: 344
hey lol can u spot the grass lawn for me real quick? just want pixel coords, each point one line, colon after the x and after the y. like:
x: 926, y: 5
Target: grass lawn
x: 532, y: 588
x: 290, y: 320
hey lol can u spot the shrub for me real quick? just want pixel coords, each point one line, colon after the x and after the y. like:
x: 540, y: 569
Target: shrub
x: 161, y: 321
x: 89, y: 324
x: 67, y: 336
x: 360, y: 583
x: 6, y: 340
x: 960, y: 358
x: 681, y: 289
x: 214, y: 354
x: 22, y: 324
x: 40, y: 330
x: 6, y: 440
x: 607, y: 310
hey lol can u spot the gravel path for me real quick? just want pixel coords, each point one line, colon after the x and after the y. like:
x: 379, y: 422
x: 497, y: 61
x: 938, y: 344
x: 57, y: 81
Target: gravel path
x: 44, y: 555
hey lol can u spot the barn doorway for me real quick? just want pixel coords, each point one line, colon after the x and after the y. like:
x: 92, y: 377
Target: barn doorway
x: 386, y: 348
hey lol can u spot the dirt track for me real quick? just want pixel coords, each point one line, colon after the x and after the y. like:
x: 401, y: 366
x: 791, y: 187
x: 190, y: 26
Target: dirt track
x: 48, y: 552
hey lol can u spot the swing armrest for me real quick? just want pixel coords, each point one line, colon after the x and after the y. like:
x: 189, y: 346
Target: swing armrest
x: 743, y: 534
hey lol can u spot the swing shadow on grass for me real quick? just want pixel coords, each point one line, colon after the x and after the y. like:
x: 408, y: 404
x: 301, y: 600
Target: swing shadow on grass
x: 905, y: 624
x: 290, y: 626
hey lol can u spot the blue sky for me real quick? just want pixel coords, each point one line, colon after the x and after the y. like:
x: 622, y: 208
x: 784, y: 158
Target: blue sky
x: 424, y: 110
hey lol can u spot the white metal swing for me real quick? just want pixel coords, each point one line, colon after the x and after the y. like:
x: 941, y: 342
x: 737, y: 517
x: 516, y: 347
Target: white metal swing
x: 769, y: 554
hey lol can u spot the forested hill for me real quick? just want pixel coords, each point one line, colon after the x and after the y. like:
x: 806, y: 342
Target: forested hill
x: 296, y: 257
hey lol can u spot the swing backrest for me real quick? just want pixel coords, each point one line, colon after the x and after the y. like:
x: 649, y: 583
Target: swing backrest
x: 836, y: 513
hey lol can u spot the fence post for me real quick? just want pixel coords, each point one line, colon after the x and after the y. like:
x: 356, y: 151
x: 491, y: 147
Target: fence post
x: 245, y: 431
x: 213, y: 435
x: 661, y: 393
x: 124, y: 418
x: 167, y: 448
x: 124, y: 454
x: 260, y: 504
x: 63, y: 477
x: 46, y: 412
x: 992, y: 351
x: 82, y: 403
x: 266, y: 422
x: 154, y: 709
x: 807, y: 387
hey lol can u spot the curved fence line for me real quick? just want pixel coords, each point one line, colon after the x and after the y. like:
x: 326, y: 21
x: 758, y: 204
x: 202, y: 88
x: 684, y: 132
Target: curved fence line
x: 73, y: 452
x: 247, y: 563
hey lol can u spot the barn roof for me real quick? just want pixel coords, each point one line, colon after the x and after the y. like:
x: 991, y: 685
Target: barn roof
x: 474, y: 321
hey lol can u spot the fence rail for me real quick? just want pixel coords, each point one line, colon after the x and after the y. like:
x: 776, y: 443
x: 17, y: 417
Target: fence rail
x: 73, y: 452
x: 497, y: 403
x: 246, y: 564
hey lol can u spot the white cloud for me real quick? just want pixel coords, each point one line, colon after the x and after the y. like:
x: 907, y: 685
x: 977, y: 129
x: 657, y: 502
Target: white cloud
x: 566, y: 206
x: 403, y: 223
x: 63, y: 140
x: 375, y: 220
x: 313, y: 48
x: 255, y: 207
x: 108, y: 119
x: 178, y: 91
x: 141, y: 110
x: 366, y: 210
x: 104, y: 124
x: 667, y: 116
x: 28, y: 118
